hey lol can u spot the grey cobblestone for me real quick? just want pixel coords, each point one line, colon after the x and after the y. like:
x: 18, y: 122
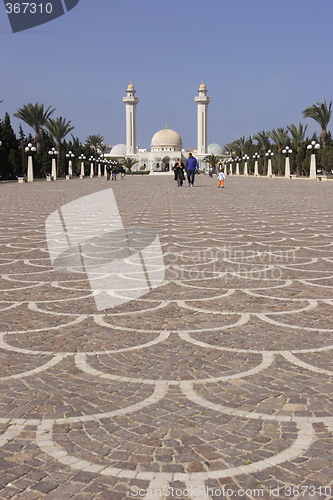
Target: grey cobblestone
x: 221, y: 376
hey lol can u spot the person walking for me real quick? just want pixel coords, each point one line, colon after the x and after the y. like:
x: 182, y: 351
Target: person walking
x: 191, y: 167
x: 108, y: 172
x: 220, y: 179
x: 179, y: 172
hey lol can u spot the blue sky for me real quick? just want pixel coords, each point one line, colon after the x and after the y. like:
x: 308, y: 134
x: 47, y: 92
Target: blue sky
x: 263, y: 61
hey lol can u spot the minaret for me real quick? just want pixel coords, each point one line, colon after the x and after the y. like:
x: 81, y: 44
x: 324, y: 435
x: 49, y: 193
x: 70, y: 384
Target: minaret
x: 202, y: 101
x: 131, y: 101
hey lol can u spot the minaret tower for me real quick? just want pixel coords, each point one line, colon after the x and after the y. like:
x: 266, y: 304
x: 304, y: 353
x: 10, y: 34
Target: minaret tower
x: 202, y: 101
x: 131, y: 101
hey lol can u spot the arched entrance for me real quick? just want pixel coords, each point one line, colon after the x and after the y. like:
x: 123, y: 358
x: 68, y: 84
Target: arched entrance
x: 165, y: 164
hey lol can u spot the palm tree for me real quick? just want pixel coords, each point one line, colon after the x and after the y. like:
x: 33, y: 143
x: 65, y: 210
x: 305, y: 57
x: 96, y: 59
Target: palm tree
x: 95, y: 141
x: 102, y: 148
x: 297, y: 142
x: 230, y: 147
x: 36, y: 117
x: 58, y: 129
x: 213, y: 160
x: 297, y: 135
x: 280, y: 137
x: 262, y: 139
x: 322, y: 114
x: 241, y: 145
x: 128, y: 163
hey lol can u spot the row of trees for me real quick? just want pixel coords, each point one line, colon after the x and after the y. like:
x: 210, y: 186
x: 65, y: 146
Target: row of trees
x: 293, y: 137
x: 49, y: 132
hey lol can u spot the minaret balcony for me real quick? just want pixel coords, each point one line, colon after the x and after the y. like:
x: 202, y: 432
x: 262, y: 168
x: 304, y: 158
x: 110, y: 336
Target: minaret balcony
x: 131, y: 99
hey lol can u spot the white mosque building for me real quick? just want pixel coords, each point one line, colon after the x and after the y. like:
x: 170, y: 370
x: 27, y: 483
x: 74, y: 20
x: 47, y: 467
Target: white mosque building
x: 166, y: 145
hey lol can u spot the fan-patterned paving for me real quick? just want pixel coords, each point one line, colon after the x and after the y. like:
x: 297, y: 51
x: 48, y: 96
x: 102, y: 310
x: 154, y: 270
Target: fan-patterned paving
x: 219, y: 378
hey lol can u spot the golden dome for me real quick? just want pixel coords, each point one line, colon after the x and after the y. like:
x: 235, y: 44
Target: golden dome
x: 130, y: 86
x: 202, y: 86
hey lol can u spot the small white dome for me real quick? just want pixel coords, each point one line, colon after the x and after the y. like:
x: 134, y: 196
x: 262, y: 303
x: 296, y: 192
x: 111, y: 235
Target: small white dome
x: 118, y: 150
x: 166, y: 137
x: 215, y: 149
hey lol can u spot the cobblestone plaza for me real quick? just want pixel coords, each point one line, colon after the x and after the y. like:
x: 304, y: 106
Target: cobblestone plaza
x: 215, y: 384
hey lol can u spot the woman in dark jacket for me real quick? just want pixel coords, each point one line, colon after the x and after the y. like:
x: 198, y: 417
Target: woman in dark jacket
x: 179, y: 170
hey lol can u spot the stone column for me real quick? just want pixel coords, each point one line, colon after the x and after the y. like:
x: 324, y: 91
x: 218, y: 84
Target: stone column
x: 237, y: 168
x: 54, y: 169
x: 313, y: 168
x: 256, y: 169
x: 287, y: 167
x: 269, y: 168
x: 30, y: 173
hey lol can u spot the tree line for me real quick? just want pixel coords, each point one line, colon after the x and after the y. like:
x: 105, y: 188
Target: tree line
x: 49, y: 133
x: 277, y: 140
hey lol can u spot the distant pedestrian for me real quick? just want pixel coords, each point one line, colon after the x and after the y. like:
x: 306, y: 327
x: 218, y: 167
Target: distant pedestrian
x: 114, y: 174
x: 191, y: 168
x: 210, y: 172
x: 179, y: 172
x: 220, y: 179
x: 108, y: 172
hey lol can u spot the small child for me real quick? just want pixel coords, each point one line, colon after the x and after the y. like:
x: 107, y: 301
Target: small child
x: 220, y: 178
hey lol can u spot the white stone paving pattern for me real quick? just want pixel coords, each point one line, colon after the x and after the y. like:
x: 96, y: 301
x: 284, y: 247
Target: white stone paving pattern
x: 220, y: 376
